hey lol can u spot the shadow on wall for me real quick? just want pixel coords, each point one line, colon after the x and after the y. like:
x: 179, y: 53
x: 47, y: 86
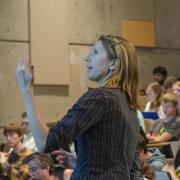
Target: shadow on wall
x: 51, y: 90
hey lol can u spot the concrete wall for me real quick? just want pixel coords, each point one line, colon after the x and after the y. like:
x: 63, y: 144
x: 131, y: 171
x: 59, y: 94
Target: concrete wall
x: 87, y: 19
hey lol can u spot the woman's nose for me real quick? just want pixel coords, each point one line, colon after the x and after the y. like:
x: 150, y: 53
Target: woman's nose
x: 88, y: 58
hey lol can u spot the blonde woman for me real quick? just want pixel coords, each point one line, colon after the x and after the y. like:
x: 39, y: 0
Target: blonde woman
x: 154, y: 93
x: 103, y: 121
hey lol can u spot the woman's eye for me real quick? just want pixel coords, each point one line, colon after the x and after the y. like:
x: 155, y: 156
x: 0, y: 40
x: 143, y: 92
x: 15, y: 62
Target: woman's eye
x: 96, y: 52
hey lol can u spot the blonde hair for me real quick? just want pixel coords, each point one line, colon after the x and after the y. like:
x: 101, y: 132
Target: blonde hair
x: 125, y: 75
x: 13, y: 127
x: 177, y: 83
x: 168, y: 97
x: 156, y: 87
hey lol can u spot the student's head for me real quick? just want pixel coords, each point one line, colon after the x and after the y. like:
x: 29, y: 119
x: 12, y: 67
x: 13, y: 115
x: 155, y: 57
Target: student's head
x: 160, y: 74
x: 14, y: 135
x: 176, y: 89
x: 113, y: 63
x: 153, y: 92
x: 168, y: 84
x: 25, y: 122
x: 40, y: 166
x: 169, y: 104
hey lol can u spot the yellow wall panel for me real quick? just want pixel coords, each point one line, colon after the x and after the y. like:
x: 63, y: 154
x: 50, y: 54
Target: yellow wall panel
x: 140, y: 33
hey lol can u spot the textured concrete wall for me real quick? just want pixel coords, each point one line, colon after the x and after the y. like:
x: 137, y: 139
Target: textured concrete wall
x: 87, y: 19
x: 90, y: 18
x: 167, y: 53
x: 167, y: 31
x: 13, y: 44
x: 13, y: 20
x: 167, y: 24
x: 139, y: 9
x: 149, y: 58
x: 10, y: 97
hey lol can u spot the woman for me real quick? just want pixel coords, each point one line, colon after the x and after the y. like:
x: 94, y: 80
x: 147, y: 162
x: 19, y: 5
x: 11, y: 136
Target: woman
x: 11, y: 164
x: 154, y: 93
x: 103, y: 121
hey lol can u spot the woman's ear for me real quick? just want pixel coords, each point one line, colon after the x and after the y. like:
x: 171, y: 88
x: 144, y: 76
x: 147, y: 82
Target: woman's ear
x: 114, y: 64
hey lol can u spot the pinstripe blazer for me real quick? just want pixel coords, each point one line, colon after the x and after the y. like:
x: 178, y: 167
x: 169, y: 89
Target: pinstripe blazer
x: 105, y: 130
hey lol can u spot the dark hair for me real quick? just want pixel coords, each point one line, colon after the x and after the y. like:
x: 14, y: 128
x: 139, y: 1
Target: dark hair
x: 24, y: 115
x: 143, y: 146
x: 143, y: 141
x: 44, y: 159
x: 13, y: 127
x: 160, y: 69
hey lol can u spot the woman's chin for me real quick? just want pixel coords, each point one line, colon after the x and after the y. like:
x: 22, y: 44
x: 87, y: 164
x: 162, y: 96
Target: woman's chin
x: 92, y: 79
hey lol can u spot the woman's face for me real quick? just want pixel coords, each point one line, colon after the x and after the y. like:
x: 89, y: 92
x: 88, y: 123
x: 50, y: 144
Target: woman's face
x: 176, y: 91
x: 98, y: 63
x: 151, y: 95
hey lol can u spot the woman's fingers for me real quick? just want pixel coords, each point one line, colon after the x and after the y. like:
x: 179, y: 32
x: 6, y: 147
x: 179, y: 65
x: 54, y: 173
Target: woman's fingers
x: 21, y: 66
x: 60, y: 152
x: 23, y: 73
x: 25, y: 64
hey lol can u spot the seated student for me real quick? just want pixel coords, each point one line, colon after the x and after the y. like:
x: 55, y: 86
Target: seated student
x: 153, y: 156
x: 41, y: 166
x: 168, y: 128
x: 176, y: 91
x: 28, y: 139
x: 160, y: 74
x: 154, y: 93
x: 168, y: 84
x: 11, y: 163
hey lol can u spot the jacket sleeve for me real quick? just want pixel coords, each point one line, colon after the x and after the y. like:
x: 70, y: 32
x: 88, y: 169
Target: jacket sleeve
x: 81, y: 117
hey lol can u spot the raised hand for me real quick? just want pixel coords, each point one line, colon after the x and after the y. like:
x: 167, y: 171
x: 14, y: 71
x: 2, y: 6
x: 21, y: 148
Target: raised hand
x: 24, y: 74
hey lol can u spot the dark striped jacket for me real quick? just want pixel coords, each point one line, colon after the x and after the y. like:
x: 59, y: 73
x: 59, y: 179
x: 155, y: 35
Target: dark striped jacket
x: 105, y: 130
